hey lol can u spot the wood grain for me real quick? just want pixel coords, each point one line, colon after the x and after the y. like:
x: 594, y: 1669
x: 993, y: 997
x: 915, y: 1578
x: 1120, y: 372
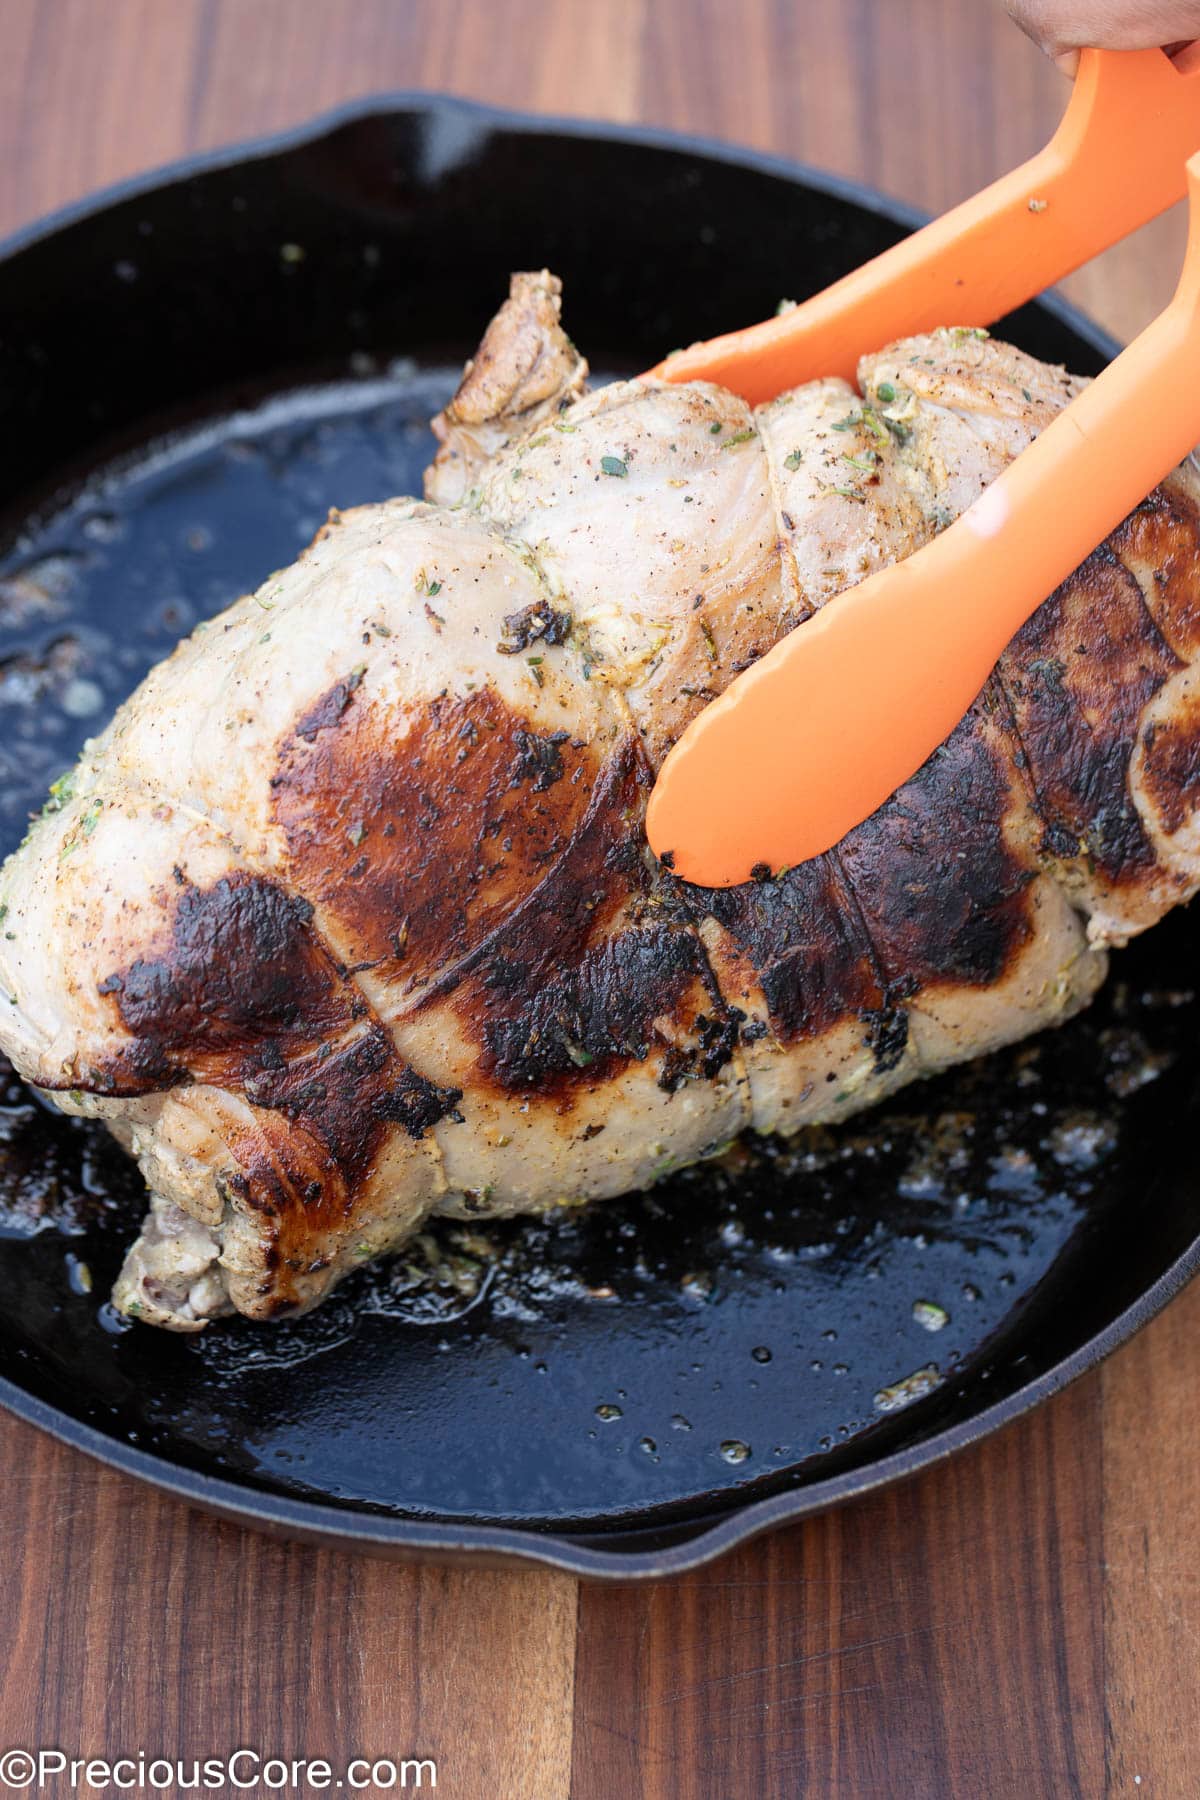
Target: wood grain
x: 1022, y: 1621
x: 872, y: 1651
x: 132, y: 1623
x: 1151, y: 1506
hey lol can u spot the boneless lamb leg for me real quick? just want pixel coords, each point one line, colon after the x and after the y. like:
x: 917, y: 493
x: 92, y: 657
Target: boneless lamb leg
x: 352, y: 922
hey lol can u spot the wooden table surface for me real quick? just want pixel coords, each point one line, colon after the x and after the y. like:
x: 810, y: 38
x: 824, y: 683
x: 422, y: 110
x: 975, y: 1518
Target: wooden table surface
x: 1024, y: 1621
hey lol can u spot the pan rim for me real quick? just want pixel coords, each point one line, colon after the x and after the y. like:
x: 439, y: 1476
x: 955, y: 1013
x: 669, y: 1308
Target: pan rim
x: 580, y: 1555
x: 379, y: 1534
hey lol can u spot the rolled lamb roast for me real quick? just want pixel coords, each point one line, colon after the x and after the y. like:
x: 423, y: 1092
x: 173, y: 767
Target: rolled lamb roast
x: 348, y: 918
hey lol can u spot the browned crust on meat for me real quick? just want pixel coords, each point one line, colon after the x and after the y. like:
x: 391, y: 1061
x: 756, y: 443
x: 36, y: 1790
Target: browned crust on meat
x: 942, y: 896
x: 805, y: 943
x: 1162, y: 537
x: 525, y: 369
x: 244, y: 995
x: 566, y: 992
x: 524, y: 358
x: 1171, y: 763
x: 925, y: 891
x: 1078, y: 678
x: 420, y: 834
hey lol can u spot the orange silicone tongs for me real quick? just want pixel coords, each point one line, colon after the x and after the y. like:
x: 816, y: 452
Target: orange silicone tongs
x: 806, y: 744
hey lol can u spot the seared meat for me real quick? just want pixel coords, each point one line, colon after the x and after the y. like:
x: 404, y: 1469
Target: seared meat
x: 525, y: 368
x: 348, y: 918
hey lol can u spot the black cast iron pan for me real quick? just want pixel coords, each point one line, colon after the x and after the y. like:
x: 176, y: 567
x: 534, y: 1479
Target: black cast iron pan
x: 194, y: 369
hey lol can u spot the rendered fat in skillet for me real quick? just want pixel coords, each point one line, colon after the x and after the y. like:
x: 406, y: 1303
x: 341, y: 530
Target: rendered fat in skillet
x: 348, y: 917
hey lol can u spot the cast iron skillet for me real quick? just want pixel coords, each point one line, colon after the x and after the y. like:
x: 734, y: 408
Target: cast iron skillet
x: 194, y: 368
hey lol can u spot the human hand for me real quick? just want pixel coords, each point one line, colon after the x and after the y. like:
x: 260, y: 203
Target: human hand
x: 1063, y: 27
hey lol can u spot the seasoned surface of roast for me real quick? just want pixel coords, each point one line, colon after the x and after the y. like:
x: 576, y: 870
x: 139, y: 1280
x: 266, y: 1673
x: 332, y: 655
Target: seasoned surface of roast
x: 348, y: 918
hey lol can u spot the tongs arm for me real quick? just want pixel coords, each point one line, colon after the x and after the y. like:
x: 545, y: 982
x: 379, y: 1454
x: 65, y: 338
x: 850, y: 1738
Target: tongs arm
x: 807, y: 743
x: 1115, y: 162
